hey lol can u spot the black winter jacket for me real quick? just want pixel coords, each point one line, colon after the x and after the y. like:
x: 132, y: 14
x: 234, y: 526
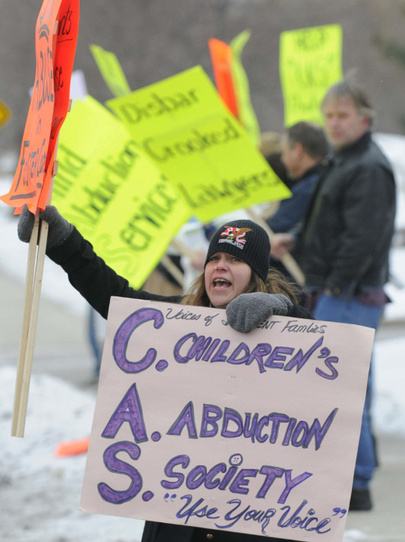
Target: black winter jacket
x: 97, y: 282
x: 350, y: 222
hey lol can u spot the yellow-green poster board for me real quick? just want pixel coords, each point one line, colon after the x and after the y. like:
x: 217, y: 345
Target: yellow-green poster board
x: 110, y: 190
x: 183, y: 126
x: 310, y: 62
x: 247, y: 114
x: 111, y: 71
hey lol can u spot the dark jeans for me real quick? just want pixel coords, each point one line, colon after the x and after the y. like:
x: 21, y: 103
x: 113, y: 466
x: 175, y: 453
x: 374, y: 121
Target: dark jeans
x: 351, y: 311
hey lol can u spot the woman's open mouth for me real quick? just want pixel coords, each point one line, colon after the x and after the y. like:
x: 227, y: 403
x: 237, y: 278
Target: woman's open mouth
x: 221, y: 284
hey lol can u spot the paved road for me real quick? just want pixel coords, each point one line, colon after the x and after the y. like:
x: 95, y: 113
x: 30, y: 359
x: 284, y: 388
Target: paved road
x: 61, y: 346
x: 62, y: 349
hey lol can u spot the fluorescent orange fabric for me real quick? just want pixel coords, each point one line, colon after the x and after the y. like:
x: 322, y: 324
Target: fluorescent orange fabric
x: 221, y: 55
x: 55, y: 45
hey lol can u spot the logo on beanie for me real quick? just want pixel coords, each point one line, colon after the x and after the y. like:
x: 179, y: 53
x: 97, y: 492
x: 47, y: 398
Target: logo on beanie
x: 234, y: 236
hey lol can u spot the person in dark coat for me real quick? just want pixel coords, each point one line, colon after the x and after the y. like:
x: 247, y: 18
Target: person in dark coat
x: 304, y: 151
x: 346, y: 237
x: 237, y: 277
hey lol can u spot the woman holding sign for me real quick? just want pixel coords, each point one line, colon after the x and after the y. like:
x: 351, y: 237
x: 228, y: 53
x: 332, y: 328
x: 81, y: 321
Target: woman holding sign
x: 236, y: 277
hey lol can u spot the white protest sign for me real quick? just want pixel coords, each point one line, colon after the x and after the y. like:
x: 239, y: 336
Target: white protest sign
x: 196, y: 424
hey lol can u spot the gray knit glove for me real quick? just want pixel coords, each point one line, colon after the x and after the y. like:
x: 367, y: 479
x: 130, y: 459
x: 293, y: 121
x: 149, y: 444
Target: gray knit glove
x: 59, y: 227
x: 247, y: 311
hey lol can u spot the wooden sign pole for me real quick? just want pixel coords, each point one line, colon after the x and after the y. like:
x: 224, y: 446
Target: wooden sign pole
x: 26, y: 321
x: 35, y: 267
x: 60, y: 53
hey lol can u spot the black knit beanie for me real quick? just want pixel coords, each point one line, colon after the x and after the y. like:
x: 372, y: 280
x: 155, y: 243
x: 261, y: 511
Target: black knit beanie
x: 247, y: 241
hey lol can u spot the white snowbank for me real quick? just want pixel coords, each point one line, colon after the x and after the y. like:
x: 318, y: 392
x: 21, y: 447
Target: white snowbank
x: 40, y: 493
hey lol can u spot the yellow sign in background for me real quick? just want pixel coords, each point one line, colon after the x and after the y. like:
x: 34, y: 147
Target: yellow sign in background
x: 183, y: 126
x: 111, y: 70
x: 247, y: 114
x: 110, y: 190
x: 310, y: 62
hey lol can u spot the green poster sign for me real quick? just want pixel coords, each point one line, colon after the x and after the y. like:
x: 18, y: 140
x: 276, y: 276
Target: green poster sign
x: 111, y: 71
x: 247, y: 114
x: 184, y: 128
x: 310, y: 62
x: 113, y: 193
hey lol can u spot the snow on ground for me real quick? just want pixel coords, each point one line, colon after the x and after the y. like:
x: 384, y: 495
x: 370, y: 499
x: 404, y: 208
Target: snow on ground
x: 40, y: 493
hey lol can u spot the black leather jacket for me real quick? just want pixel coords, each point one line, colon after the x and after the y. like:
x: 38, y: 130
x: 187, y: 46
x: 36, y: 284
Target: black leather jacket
x: 350, y: 222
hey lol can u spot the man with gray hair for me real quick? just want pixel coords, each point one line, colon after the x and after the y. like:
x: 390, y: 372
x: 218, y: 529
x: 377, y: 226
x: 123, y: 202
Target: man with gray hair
x: 346, y: 237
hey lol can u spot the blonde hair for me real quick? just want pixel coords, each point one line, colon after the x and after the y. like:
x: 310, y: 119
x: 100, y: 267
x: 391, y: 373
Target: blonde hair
x: 275, y: 283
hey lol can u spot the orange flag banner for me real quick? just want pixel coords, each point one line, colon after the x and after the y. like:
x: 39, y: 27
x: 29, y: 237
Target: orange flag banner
x: 221, y: 58
x: 55, y: 45
x: 66, y: 40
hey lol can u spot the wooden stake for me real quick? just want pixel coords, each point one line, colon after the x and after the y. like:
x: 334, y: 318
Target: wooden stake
x: 287, y: 260
x: 26, y: 320
x: 35, y: 268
